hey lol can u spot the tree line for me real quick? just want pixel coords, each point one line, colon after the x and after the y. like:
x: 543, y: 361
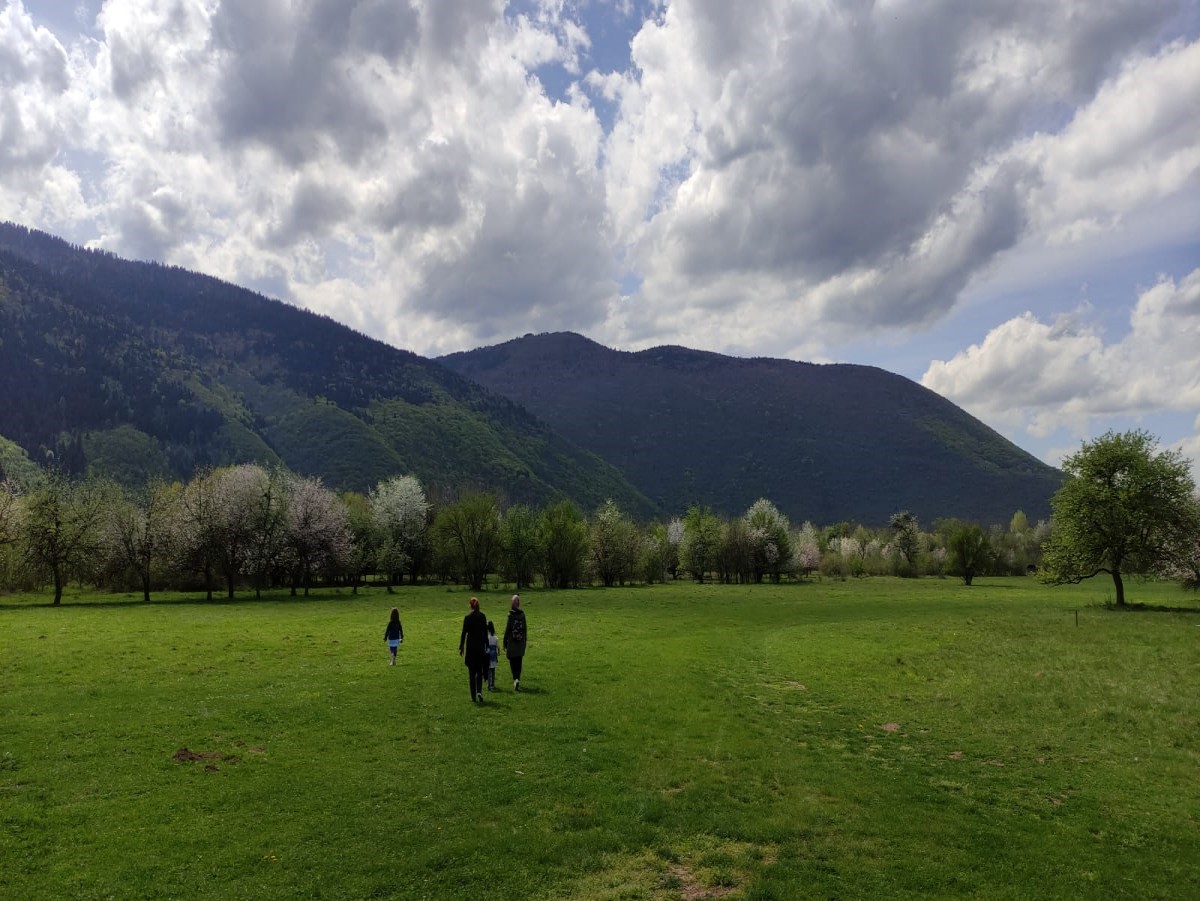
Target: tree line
x: 248, y: 527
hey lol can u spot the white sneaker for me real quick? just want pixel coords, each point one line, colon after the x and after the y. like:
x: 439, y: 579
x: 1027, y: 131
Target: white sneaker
x: 516, y: 684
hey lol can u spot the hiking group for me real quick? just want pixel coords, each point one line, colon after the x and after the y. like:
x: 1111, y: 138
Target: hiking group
x: 478, y: 645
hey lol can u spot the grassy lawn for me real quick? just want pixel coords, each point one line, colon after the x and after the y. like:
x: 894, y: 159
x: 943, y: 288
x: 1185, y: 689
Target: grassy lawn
x: 877, y: 738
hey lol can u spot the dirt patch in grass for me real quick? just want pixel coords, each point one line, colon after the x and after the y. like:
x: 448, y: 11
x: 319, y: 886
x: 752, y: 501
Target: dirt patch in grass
x: 185, y: 755
x: 700, y: 868
x: 692, y: 889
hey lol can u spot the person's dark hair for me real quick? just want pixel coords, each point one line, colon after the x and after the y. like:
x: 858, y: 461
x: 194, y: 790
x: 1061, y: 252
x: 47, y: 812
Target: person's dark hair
x: 491, y: 627
x: 395, y: 615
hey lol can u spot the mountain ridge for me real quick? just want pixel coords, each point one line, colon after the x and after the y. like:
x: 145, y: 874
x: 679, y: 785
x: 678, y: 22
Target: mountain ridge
x: 136, y: 369
x: 825, y: 442
x: 111, y: 363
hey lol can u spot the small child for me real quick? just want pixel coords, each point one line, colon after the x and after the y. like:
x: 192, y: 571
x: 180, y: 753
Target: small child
x: 493, y: 655
x: 394, y: 634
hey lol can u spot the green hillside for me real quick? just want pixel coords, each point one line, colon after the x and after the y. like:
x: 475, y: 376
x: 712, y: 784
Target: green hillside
x: 133, y: 370
x: 825, y: 443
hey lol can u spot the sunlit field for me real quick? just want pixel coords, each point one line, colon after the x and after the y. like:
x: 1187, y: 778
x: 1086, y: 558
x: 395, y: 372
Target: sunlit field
x: 873, y: 738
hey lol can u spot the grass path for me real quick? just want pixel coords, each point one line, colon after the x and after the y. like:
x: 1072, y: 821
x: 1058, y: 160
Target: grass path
x: 879, y: 738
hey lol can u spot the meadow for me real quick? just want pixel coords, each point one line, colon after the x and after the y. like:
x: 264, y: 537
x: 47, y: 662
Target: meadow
x: 863, y: 739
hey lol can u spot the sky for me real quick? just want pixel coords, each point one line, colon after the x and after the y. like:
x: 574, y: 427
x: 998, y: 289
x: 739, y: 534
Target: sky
x: 999, y: 200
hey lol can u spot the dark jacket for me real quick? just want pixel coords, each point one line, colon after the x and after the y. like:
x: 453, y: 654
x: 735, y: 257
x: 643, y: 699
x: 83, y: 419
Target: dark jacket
x: 394, y: 630
x: 515, y: 634
x: 473, y: 643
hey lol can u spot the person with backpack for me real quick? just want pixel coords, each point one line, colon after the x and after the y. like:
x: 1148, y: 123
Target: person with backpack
x: 515, y: 636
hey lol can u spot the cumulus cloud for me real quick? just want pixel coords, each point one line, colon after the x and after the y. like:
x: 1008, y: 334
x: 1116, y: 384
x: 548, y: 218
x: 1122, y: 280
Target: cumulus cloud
x: 863, y: 163
x: 766, y: 177
x: 35, y: 79
x: 1044, y: 375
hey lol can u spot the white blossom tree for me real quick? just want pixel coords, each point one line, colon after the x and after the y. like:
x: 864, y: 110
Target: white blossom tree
x: 770, y: 541
x: 807, y: 554
x: 662, y: 546
x: 237, y: 494
x: 265, y: 555
x: 1182, y: 558
x: 401, y: 513
x: 614, y: 542
x: 193, y: 525
x: 316, y: 531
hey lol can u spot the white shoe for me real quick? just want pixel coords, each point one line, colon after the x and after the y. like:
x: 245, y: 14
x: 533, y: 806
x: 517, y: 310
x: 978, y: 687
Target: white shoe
x: 516, y: 684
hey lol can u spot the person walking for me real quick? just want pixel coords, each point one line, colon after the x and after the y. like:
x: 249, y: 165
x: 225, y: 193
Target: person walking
x: 472, y: 647
x: 493, y: 655
x: 515, y: 636
x: 394, y: 634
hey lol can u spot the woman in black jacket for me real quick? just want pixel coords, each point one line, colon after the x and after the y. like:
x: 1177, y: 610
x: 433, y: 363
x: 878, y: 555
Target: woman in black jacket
x: 473, y: 648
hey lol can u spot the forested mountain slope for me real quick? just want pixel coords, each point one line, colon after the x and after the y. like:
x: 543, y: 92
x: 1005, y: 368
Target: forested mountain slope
x: 136, y: 370
x: 823, y: 442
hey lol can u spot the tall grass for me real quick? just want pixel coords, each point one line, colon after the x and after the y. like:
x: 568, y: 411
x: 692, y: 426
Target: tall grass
x: 878, y: 738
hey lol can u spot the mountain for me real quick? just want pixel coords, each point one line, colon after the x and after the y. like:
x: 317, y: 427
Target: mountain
x: 134, y: 370
x: 823, y: 442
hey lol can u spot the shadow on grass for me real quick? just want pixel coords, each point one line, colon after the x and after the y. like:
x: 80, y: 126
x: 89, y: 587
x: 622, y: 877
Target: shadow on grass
x: 1148, y: 608
x: 80, y: 602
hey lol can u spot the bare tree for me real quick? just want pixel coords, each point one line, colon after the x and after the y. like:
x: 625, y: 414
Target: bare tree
x: 137, y: 532
x: 61, y: 527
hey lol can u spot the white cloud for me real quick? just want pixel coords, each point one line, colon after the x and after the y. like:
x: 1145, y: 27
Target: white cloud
x: 863, y: 165
x: 777, y: 177
x: 1045, y: 376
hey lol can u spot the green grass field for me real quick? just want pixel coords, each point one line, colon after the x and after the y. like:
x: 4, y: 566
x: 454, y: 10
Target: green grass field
x: 878, y: 738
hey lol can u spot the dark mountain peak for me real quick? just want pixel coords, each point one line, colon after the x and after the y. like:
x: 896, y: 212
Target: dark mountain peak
x: 137, y: 369
x: 672, y: 356
x: 824, y: 442
x: 566, y: 349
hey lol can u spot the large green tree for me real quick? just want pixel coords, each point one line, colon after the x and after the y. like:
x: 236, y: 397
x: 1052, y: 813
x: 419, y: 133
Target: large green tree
x: 62, y: 527
x: 969, y: 550
x: 469, y: 531
x: 701, y: 541
x: 563, y: 535
x: 520, y: 550
x: 1124, y: 505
